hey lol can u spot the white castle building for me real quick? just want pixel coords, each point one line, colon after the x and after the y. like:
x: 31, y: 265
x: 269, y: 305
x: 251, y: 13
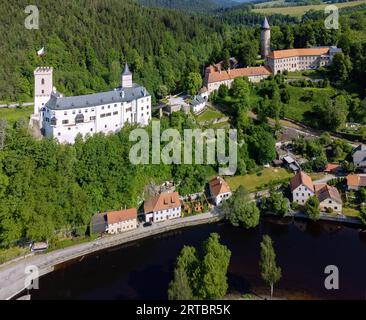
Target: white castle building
x: 65, y: 117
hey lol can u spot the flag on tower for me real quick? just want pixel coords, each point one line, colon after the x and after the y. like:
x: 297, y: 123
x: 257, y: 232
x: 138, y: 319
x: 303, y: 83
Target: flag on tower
x: 40, y: 53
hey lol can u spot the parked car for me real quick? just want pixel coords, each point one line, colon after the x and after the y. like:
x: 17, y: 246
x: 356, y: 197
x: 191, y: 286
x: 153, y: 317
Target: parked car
x: 147, y: 224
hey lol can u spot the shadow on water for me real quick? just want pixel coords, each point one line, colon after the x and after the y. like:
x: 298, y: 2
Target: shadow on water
x: 143, y: 269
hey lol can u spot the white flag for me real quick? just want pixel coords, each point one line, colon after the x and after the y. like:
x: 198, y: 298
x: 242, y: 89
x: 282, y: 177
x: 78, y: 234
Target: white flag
x: 40, y: 52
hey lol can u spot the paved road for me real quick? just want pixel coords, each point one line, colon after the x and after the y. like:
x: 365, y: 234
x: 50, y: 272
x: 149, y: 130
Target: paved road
x: 12, y: 276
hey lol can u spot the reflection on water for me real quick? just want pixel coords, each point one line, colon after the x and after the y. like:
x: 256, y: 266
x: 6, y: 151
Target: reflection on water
x: 143, y: 269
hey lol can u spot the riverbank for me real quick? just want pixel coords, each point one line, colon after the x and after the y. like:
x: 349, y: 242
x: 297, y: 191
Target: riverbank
x: 12, y: 275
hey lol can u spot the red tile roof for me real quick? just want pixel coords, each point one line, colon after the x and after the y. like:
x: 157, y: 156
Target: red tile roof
x: 332, y: 167
x: 213, y: 75
x: 122, y: 215
x: 218, y: 186
x: 355, y: 180
x: 164, y: 201
x: 301, y: 178
x: 280, y: 54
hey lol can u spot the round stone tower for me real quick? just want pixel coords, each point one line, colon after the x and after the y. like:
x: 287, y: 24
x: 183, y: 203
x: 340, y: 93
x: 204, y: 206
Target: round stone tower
x: 265, y: 39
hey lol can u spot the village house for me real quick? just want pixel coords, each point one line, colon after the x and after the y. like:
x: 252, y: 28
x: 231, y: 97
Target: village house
x: 302, y: 188
x: 164, y: 206
x: 219, y: 190
x: 356, y: 181
x: 359, y: 157
x: 198, y: 104
x: 332, y: 168
x: 121, y: 221
x: 329, y: 198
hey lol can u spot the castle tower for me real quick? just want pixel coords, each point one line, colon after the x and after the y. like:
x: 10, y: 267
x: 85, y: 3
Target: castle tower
x: 126, y: 77
x: 42, y: 87
x: 265, y: 38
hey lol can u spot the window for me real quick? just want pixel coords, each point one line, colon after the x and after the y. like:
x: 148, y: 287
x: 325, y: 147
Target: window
x: 91, y: 129
x: 92, y: 118
x: 115, y: 112
x: 59, y: 134
x: 102, y: 115
x: 79, y: 118
x: 109, y: 107
x: 103, y: 108
x: 74, y: 112
x: 65, y: 121
x: 65, y: 113
x: 42, y: 91
x: 42, y: 81
x: 108, y: 114
x: 53, y: 121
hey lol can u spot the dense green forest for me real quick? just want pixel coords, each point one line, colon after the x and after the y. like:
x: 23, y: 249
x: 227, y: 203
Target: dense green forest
x: 192, y: 5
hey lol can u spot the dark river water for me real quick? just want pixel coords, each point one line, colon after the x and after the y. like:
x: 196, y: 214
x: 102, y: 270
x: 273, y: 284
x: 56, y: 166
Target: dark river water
x: 143, y: 269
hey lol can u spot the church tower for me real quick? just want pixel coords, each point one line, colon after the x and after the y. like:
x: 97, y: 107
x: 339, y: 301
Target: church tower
x: 265, y: 39
x: 126, y: 77
x: 42, y: 87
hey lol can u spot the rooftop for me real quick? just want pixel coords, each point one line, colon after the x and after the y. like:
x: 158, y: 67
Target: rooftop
x: 316, y: 51
x: 325, y: 192
x: 301, y: 178
x: 164, y: 201
x: 59, y: 102
x: 218, y: 186
x: 122, y: 215
x: 215, y: 75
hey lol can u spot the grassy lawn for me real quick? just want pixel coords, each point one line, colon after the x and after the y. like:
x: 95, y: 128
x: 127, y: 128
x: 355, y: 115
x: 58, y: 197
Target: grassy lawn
x: 350, y: 212
x: 13, y: 114
x: 317, y: 175
x: 298, y: 11
x: 210, y: 114
x: 259, y: 181
x: 299, y: 105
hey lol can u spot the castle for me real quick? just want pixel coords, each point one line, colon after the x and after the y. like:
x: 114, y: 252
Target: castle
x: 275, y: 62
x: 65, y: 117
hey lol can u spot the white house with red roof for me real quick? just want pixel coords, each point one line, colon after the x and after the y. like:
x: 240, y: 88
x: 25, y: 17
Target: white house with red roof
x: 121, y: 221
x: 302, y: 188
x: 219, y: 190
x: 165, y: 206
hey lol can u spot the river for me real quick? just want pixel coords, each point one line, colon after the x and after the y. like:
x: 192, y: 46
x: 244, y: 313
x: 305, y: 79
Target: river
x: 143, y: 269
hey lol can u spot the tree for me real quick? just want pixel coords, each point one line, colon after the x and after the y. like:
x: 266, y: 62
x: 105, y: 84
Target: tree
x: 223, y: 91
x: 179, y: 288
x: 240, y: 210
x: 248, y: 54
x: 240, y: 90
x: 193, y: 83
x: 270, y: 272
x: 312, y: 208
x: 276, y: 203
x: 216, y: 258
x: 341, y: 67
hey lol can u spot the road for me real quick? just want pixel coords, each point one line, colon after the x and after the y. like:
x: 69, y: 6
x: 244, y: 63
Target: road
x: 12, y: 276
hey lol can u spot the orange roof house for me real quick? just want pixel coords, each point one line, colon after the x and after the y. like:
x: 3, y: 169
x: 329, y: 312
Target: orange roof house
x: 218, y: 186
x: 301, y: 178
x: 164, y: 201
x: 215, y: 74
x: 122, y: 215
x: 332, y: 167
x: 355, y: 181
